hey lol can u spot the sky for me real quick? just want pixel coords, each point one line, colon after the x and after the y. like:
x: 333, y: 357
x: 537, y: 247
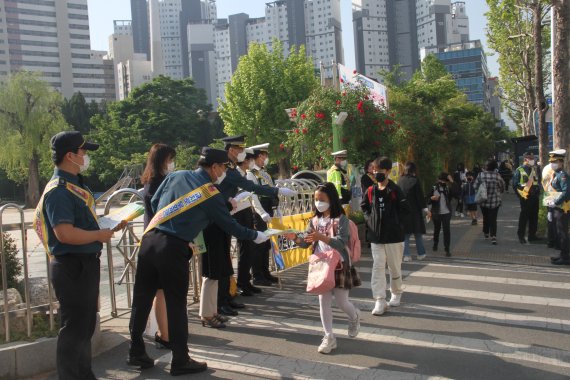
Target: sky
x: 101, y: 22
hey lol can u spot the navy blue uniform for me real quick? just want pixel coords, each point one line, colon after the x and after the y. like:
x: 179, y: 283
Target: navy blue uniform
x: 164, y: 255
x: 559, y: 217
x: 75, y: 277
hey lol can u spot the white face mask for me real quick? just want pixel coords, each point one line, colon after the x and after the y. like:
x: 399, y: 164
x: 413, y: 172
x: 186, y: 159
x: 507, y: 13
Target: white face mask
x: 251, y: 165
x: 170, y: 167
x: 554, y: 166
x: 241, y: 157
x: 266, y: 161
x: 322, y: 206
x: 343, y: 163
x: 85, y: 166
x: 531, y: 162
x: 220, y: 178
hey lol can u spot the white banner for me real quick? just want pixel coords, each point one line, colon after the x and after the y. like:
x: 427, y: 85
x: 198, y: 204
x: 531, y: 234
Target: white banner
x: 378, y: 91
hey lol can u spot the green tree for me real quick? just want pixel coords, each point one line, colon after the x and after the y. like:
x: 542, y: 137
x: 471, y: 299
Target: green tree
x: 164, y: 110
x: 29, y: 115
x: 77, y: 112
x: 263, y: 86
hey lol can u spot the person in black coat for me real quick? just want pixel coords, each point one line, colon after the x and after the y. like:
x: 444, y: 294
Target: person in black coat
x: 368, y: 178
x: 412, y: 188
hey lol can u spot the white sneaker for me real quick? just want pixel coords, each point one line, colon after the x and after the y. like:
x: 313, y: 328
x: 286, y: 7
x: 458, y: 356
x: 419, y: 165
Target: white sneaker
x: 456, y: 213
x: 395, y: 300
x: 421, y: 257
x: 407, y: 259
x: 354, y: 325
x: 462, y: 215
x: 327, y: 345
x: 380, y: 307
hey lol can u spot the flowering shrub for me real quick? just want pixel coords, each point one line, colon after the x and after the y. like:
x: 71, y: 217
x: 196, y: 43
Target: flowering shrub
x: 367, y: 130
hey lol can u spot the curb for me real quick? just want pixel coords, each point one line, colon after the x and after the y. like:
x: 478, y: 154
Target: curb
x: 19, y: 360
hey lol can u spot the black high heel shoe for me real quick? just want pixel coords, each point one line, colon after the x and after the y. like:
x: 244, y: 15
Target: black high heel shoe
x: 213, y: 322
x: 161, y: 343
x: 221, y: 318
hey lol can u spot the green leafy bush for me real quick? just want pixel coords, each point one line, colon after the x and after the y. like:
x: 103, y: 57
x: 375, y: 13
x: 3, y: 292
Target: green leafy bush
x: 13, y: 264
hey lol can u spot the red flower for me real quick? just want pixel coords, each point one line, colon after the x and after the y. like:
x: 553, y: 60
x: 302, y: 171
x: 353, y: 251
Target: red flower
x: 320, y: 115
x: 354, y: 71
x: 341, y: 80
x: 344, y: 93
x: 304, y: 131
x: 295, y: 168
x: 296, y: 131
x: 392, y: 115
x: 282, y: 146
x: 303, y: 116
x: 338, y: 102
x: 388, y: 121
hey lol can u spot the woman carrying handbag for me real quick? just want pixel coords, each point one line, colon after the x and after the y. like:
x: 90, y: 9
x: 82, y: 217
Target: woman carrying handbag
x: 328, y: 231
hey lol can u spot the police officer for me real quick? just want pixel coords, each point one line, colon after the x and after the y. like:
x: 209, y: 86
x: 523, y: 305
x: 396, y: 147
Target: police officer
x: 560, y: 206
x: 66, y: 223
x: 260, y: 267
x: 184, y: 204
x: 338, y: 176
x: 216, y: 262
x: 526, y: 184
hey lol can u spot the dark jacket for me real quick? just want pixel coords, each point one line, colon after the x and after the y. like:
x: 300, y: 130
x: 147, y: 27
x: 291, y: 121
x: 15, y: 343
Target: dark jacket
x: 412, y: 189
x: 149, y: 190
x: 366, y: 182
x: 385, y: 227
x: 442, y: 189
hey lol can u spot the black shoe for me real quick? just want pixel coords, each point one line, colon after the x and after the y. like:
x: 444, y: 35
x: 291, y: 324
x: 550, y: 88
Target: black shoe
x: 143, y: 360
x: 474, y: 222
x: 191, y: 366
x: 236, y: 305
x: 271, y: 278
x: 434, y: 247
x: 554, y: 258
x: 550, y: 245
x: 447, y: 253
x: 535, y: 238
x: 245, y: 292
x: 253, y: 289
x: 221, y: 318
x: 522, y: 240
x: 561, y: 261
x: 161, y: 343
x: 226, y: 310
x: 262, y: 282
x: 213, y: 322
x: 486, y: 236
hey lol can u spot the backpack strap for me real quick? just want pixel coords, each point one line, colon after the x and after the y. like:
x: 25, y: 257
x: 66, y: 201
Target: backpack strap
x: 369, y: 191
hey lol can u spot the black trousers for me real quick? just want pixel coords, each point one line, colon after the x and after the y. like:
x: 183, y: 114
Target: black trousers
x: 246, y: 249
x: 75, y: 279
x: 528, y: 214
x: 260, y: 265
x: 560, y: 218
x: 439, y: 221
x: 490, y: 220
x: 163, y: 261
x: 552, y: 235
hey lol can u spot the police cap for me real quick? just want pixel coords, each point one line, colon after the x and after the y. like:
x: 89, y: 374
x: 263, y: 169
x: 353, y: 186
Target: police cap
x: 212, y: 156
x: 70, y: 141
x: 340, y: 154
x: 238, y: 141
x: 257, y: 149
x: 249, y: 153
x: 556, y: 155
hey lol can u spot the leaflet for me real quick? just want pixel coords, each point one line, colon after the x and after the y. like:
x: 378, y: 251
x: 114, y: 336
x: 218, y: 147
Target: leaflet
x: 274, y: 232
x: 125, y: 214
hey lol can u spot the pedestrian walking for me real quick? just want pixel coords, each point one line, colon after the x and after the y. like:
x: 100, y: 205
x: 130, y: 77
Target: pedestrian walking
x: 385, y: 208
x: 506, y: 172
x: 560, y: 206
x: 329, y: 230
x: 66, y: 223
x: 494, y: 186
x: 468, y: 195
x: 368, y: 178
x: 440, y: 207
x: 159, y: 163
x: 459, y: 178
x: 412, y: 188
x: 526, y: 180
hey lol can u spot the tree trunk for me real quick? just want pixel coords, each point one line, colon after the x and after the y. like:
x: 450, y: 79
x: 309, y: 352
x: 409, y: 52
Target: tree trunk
x: 540, y: 99
x: 33, y: 191
x: 561, y: 75
x: 284, y: 170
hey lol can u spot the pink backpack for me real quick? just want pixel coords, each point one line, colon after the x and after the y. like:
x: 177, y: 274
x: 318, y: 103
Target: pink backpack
x: 321, y: 277
x: 353, y: 246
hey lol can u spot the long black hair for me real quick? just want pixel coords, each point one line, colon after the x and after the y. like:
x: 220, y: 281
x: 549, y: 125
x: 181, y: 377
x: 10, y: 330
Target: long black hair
x: 335, y: 207
x: 157, y: 156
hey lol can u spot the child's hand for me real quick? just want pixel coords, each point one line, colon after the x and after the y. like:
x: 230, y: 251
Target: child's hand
x: 313, y: 237
x: 291, y: 236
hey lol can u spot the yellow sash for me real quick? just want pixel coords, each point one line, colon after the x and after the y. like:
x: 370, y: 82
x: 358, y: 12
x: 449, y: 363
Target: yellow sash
x: 39, y: 222
x: 182, y: 204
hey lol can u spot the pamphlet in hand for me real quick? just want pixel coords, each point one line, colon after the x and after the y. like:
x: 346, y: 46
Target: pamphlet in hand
x: 117, y: 218
x: 198, y: 245
x: 273, y: 232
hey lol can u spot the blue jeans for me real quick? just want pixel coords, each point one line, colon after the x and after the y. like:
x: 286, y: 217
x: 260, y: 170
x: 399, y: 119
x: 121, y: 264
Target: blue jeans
x: 419, y: 244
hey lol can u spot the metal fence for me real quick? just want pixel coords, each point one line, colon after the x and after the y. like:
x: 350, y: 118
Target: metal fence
x: 121, y: 256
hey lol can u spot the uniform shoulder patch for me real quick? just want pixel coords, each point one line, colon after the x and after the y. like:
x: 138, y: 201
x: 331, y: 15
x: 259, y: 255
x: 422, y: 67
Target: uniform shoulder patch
x: 231, y: 165
x: 61, y: 181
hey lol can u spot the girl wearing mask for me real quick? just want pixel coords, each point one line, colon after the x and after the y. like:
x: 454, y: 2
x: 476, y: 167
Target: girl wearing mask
x: 329, y: 229
x: 159, y: 163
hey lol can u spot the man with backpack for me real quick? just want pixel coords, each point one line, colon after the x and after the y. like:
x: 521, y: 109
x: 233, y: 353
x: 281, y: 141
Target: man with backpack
x: 385, y: 209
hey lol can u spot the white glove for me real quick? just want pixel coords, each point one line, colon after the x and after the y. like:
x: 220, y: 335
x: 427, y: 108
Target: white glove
x: 551, y: 204
x: 234, y: 203
x: 266, y: 218
x: 261, y: 237
x: 549, y: 217
x: 241, y: 196
x: 287, y: 192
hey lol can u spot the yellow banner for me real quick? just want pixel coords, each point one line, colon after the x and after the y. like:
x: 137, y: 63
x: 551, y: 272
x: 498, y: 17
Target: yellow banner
x: 292, y: 255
